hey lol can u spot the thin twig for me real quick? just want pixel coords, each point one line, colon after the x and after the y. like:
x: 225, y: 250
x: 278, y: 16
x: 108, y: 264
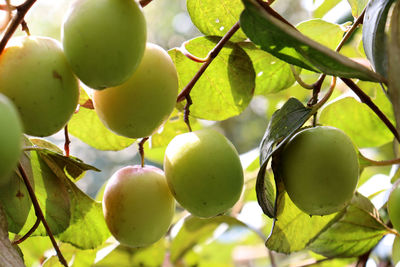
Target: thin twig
x: 346, y: 37
x: 141, y: 149
x: 190, y: 56
x: 367, y: 100
x: 186, y: 112
x: 28, y: 234
x: 213, y: 53
x: 67, y: 141
x: 39, y: 214
x: 299, y: 80
x: 144, y: 3
x: 17, y: 19
x: 381, y: 162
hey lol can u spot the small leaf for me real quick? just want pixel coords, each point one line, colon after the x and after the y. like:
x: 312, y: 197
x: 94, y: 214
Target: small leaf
x: 225, y: 88
x: 272, y: 74
x: 196, y: 230
x: 216, y: 17
x: 283, y: 124
x: 357, y: 6
x: 354, y: 234
x: 287, y: 43
x: 86, y: 125
x: 374, y: 37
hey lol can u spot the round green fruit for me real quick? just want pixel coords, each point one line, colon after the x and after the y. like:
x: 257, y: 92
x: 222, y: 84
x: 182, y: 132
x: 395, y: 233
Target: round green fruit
x: 319, y: 168
x: 396, y: 251
x: 35, y: 75
x: 204, y: 172
x: 137, y: 205
x: 394, y: 207
x: 139, y: 106
x: 104, y: 40
x: 10, y: 138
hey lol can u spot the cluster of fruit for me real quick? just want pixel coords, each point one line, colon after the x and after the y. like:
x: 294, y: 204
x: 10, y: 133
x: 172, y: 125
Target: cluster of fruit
x: 135, y: 89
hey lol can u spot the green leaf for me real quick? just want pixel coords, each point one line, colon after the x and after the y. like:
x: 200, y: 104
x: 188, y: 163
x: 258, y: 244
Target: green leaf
x: 288, y: 44
x: 50, y: 192
x: 75, y: 257
x: 196, y: 230
x: 122, y: 256
x: 394, y: 59
x: 283, y: 124
x: 225, y: 88
x: 324, y: 8
x: 357, y: 120
x: 374, y: 37
x: 173, y: 126
x: 86, y: 125
x: 357, y: 6
x: 86, y: 214
x: 216, y: 17
x: 293, y: 229
x: 323, y: 32
x: 272, y: 74
x: 354, y: 234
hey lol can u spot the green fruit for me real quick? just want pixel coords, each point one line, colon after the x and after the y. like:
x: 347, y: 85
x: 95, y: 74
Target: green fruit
x: 394, y: 208
x: 104, y: 40
x: 396, y: 251
x: 319, y: 168
x: 10, y: 138
x: 140, y: 105
x: 35, y: 75
x: 138, y: 206
x: 204, y: 172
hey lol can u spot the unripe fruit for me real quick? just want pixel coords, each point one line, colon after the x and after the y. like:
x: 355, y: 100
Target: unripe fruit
x: 35, y: 75
x: 10, y: 138
x: 394, y: 208
x: 204, y: 172
x: 104, y: 40
x: 319, y: 168
x: 138, y: 206
x: 139, y: 106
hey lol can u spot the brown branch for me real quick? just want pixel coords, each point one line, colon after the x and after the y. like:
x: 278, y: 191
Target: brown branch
x: 17, y: 20
x: 213, y: 53
x: 28, y: 234
x: 67, y: 141
x: 186, y: 112
x: 367, y: 100
x: 40, y: 215
x: 351, y: 30
x: 144, y: 3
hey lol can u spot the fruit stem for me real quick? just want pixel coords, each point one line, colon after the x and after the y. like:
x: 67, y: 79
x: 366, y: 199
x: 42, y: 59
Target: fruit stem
x: 39, y: 214
x: 28, y: 234
x: 141, y: 149
x: 144, y: 3
x: 187, y: 112
x: 298, y: 79
x: 67, y: 141
x: 367, y: 100
x: 190, y: 56
x: 17, y: 20
x: 381, y: 162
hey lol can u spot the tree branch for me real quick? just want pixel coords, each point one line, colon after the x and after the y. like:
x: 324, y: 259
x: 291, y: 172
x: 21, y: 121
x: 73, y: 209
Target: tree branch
x: 40, y: 215
x: 144, y: 3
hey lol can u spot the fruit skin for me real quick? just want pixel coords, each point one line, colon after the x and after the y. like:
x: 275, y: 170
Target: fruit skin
x: 204, y: 172
x: 10, y: 138
x: 139, y: 106
x: 319, y: 168
x: 36, y: 77
x: 104, y: 40
x: 394, y: 207
x: 137, y: 205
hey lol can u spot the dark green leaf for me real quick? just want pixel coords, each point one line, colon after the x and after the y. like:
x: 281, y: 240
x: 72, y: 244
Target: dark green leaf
x: 354, y: 234
x: 225, y: 88
x: 374, y: 37
x: 283, y: 124
x: 216, y: 17
x: 288, y: 44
